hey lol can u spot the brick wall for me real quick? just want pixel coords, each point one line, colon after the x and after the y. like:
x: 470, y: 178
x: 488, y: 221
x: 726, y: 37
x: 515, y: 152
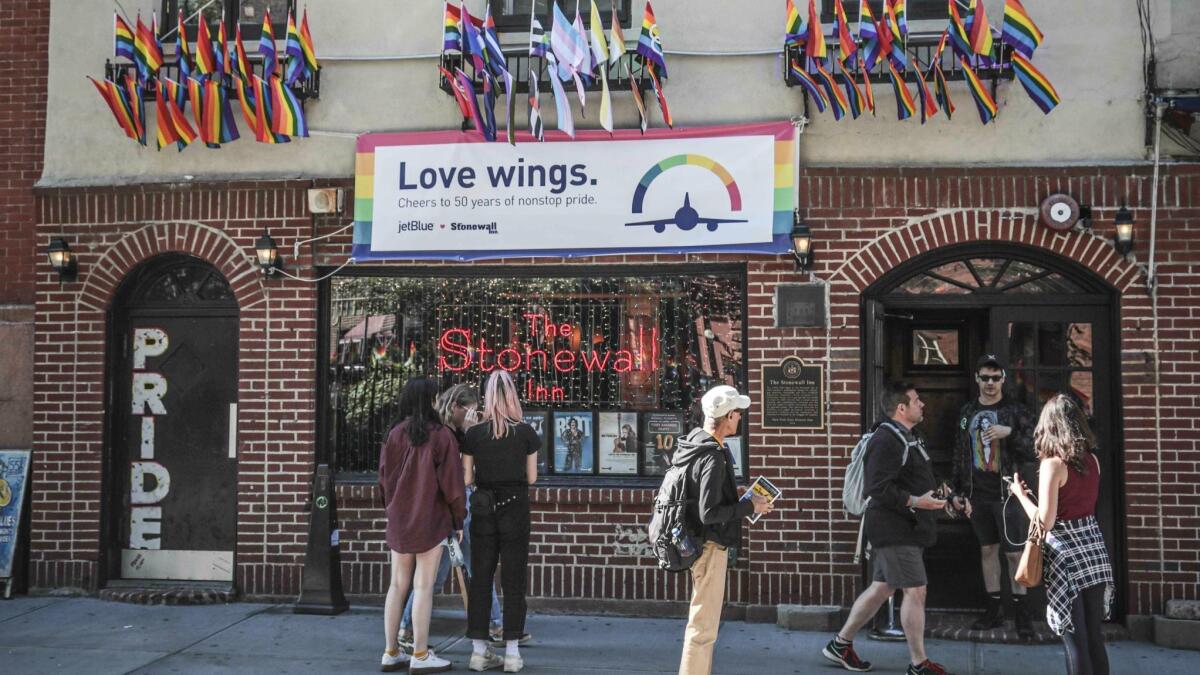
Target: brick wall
x: 24, y: 32
x: 865, y: 222
x: 23, y: 40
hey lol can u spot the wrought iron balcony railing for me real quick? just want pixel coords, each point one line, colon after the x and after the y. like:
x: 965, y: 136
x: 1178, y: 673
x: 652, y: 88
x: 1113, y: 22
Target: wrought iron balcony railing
x: 628, y: 68
x: 304, y: 88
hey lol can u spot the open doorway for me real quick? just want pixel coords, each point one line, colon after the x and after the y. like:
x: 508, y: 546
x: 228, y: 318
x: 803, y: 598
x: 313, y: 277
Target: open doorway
x: 1048, y: 319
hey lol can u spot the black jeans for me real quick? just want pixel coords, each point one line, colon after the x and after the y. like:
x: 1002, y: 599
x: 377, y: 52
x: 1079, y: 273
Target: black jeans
x: 1085, y: 644
x: 499, y: 537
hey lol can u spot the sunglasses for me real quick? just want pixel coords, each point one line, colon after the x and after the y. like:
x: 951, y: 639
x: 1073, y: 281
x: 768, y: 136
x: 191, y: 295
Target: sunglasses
x: 990, y: 378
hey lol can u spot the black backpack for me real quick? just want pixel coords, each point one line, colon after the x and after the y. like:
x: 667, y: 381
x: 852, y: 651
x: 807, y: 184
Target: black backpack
x: 675, y: 547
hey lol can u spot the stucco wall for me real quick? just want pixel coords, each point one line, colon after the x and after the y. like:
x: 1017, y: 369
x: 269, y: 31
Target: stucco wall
x: 1091, y: 53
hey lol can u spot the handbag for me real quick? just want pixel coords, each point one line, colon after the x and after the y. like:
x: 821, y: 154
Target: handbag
x: 1029, y: 571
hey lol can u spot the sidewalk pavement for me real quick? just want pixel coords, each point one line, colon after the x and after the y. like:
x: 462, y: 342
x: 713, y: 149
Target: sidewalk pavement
x: 56, y: 634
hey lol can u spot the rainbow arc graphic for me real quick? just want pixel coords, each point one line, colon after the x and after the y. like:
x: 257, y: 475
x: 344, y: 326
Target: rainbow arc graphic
x: 687, y: 217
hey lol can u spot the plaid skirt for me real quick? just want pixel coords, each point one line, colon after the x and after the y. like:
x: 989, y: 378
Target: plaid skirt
x: 1075, y: 559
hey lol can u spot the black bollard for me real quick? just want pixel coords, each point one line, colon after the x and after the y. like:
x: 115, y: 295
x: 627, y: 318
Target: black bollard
x: 321, y: 583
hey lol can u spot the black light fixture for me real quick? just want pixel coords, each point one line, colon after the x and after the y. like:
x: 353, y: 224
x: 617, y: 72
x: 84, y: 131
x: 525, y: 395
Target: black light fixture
x: 801, y: 243
x: 268, y: 255
x: 62, y: 259
x: 1123, y: 240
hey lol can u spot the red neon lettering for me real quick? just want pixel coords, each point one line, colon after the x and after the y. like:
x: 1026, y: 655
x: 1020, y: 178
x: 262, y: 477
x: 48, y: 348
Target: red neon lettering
x: 462, y: 350
x: 529, y: 354
x: 592, y: 362
x: 623, y: 363
x: 483, y: 352
x: 515, y: 355
x: 564, y: 361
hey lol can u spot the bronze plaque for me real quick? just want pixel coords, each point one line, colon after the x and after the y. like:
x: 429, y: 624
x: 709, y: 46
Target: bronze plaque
x: 793, y: 395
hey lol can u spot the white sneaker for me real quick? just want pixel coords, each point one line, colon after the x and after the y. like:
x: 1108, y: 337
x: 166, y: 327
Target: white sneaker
x: 391, y: 663
x: 485, y: 661
x: 513, y: 664
x: 432, y: 663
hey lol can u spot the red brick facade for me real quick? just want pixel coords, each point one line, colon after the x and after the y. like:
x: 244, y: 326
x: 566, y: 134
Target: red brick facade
x: 24, y: 33
x: 865, y: 222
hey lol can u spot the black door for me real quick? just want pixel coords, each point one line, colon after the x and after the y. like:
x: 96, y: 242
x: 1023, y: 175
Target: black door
x: 174, y: 420
x: 928, y: 321
x: 1066, y: 349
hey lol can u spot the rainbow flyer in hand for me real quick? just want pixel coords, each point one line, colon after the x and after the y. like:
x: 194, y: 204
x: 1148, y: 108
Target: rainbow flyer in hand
x: 763, y: 488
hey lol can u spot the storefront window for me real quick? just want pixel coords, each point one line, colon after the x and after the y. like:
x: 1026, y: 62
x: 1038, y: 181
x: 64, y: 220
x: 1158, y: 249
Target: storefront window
x: 609, y: 368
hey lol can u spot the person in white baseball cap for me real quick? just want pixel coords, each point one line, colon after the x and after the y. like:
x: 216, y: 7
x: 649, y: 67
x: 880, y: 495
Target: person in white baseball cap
x: 721, y: 400
x: 715, y: 515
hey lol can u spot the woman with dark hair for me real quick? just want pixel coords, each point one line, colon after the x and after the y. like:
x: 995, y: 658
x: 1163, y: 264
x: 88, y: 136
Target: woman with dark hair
x: 421, y: 477
x: 458, y: 408
x: 500, y: 459
x: 1078, y: 573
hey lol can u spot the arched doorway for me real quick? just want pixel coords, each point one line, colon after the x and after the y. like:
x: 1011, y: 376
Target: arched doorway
x: 1049, y: 319
x: 171, y: 486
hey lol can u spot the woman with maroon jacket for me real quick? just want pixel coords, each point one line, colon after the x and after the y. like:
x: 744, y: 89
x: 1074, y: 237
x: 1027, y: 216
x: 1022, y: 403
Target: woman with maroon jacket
x: 421, y: 476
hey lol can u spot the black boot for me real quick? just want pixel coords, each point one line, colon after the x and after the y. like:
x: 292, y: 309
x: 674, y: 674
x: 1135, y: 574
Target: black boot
x: 1021, y: 617
x: 993, y: 616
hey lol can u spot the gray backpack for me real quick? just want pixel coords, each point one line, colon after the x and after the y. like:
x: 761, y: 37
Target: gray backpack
x: 853, y: 499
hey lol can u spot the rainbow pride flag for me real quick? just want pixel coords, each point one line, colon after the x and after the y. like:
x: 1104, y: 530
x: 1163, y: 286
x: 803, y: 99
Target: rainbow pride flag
x: 137, y: 107
x: 960, y: 39
x: 847, y: 46
x: 793, y: 26
x: 810, y: 85
x: 650, y: 40
x: 837, y: 100
x: 123, y: 38
x: 1035, y: 83
x: 451, y: 28
x: 928, y: 104
x: 266, y: 46
x: 288, y: 114
x: 868, y: 32
x: 905, y: 106
x: 116, y: 102
x: 306, y: 43
x: 1019, y: 30
x: 983, y: 100
x: 854, y: 95
x: 206, y: 60
x: 815, y: 47
x: 980, y: 32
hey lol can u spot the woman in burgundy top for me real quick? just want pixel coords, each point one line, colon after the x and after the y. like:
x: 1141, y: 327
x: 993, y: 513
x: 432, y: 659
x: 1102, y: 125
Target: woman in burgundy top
x: 1077, y: 570
x: 421, y: 476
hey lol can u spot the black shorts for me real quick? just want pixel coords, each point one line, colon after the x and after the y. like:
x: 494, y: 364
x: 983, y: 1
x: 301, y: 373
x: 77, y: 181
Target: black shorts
x: 989, y: 519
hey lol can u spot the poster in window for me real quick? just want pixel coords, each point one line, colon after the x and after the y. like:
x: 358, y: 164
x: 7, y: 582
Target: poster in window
x: 574, y: 442
x: 537, y: 420
x: 739, y: 461
x: 618, y: 443
x: 660, y: 432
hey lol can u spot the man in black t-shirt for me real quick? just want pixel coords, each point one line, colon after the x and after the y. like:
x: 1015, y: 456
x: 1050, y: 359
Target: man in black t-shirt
x: 995, y: 437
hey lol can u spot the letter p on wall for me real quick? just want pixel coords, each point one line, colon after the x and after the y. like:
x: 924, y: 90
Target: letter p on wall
x: 147, y: 342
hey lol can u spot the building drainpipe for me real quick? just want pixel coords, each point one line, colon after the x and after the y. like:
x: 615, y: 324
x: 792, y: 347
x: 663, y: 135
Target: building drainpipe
x: 1152, y: 288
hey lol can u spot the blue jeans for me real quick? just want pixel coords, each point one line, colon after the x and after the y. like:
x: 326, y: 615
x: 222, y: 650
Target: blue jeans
x: 443, y: 573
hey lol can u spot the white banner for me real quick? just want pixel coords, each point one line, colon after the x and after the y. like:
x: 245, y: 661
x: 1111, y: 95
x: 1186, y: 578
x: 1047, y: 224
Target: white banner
x: 691, y: 191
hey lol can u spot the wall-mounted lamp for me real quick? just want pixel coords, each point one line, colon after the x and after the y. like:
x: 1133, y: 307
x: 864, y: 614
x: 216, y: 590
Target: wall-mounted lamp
x: 62, y: 260
x: 801, y: 244
x: 268, y: 254
x: 1123, y: 240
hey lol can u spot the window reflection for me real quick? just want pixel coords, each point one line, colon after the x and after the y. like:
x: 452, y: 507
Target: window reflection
x: 1020, y: 344
x: 1079, y: 345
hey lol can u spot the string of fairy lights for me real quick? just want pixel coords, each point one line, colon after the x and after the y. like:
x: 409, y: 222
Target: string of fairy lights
x: 679, y: 333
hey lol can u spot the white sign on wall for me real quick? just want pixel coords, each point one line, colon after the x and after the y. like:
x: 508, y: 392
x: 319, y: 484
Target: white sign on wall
x: 699, y: 189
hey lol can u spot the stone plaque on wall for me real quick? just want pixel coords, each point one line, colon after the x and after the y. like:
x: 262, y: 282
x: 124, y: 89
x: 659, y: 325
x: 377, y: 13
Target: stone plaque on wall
x: 800, y: 306
x: 793, y: 395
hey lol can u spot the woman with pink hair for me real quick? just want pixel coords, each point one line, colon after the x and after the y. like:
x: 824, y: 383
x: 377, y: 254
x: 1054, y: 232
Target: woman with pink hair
x: 500, y: 459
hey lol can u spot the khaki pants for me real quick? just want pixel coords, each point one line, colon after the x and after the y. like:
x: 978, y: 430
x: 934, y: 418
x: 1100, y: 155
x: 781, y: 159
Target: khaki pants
x: 704, y: 618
